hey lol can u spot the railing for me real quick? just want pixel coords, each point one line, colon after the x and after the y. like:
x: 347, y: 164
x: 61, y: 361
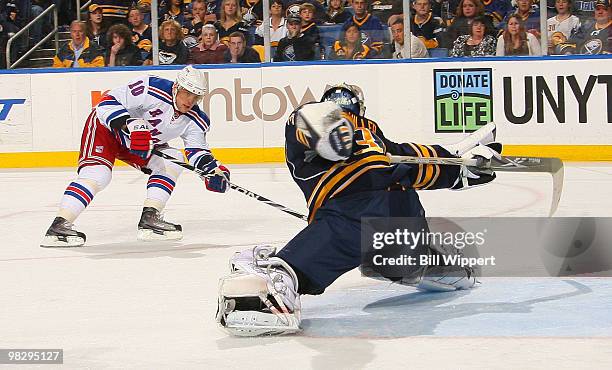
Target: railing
x: 51, y: 8
x: 81, y: 8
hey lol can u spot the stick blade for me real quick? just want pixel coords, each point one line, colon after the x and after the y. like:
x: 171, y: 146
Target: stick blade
x: 554, y: 166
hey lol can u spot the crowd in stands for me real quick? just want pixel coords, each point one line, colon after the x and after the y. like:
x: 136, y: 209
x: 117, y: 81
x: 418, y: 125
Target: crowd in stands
x: 118, y: 32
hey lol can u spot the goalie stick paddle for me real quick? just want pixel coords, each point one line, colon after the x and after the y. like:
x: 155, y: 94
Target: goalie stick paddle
x: 553, y: 166
x: 232, y: 186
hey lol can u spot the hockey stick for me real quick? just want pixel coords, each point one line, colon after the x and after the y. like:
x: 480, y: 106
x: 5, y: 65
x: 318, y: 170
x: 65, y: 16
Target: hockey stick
x: 553, y: 166
x: 231, y: 185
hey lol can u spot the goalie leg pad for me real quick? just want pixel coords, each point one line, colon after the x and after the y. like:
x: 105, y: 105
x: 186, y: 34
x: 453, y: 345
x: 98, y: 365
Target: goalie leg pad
x: 259, y: 296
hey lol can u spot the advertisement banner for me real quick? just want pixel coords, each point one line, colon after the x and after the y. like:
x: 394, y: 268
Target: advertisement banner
x: 534, y: 102
x: 15, y: 114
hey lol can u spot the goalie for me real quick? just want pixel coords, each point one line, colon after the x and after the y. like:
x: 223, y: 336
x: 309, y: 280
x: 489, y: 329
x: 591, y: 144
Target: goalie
x: 339, y: 160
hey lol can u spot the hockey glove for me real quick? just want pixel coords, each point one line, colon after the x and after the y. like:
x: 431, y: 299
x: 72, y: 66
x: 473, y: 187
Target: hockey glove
x: 473, y: 176
x: 215, y: 175
x: 141, y: 142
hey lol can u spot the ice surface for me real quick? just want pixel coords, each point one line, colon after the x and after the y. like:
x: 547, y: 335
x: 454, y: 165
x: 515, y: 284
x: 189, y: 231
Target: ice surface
x: 120, y: 303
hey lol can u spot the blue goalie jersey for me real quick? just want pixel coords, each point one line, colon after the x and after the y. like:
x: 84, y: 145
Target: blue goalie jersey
x: 368, y: 168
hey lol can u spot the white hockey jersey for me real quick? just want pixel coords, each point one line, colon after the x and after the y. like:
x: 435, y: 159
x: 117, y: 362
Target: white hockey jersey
x: 567, y: 26
x: 150, y: 98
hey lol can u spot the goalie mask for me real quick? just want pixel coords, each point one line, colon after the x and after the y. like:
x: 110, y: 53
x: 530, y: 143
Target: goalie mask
x: 327, y: 131
x: 349, y: 97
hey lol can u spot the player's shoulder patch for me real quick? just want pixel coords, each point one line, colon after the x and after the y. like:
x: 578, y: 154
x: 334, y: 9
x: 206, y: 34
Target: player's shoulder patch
x: 161, y: 89
x: 161, y: 84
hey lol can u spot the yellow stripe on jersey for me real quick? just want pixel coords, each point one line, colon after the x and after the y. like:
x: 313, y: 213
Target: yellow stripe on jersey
x: 323, y: 179
x: 299, y: 135
x: 436, y: 169
x: 356, y: 176
x: 351, y: 118
x: 419, y: 154
x: 428, y: 173
x: 320, y: 194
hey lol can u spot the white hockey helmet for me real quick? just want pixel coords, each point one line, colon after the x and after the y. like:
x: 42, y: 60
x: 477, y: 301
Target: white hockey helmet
x: 192, y: 80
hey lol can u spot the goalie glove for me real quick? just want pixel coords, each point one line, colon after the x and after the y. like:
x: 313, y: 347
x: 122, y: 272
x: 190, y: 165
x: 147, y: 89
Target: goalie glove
x: 215, y: 175
x: 259, y: 296
x: 327, y: 131
x: 141, y: 142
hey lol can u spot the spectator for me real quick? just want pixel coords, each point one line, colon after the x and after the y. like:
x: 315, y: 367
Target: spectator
x: 278, y: 25
x: 397, y: 49
x: 115, y: 11
x: 425, y: 25
x: 593, y: 36
x: 319, y: 8
x: 230, y: 21
x: 384, y: 9
x: 239, y: 52
x: 294, y: 46
x: 467, y: 11
x: 336, y: 14
x: 171, y: 47
x: 528, y: 14
x: 497, y: 10
x: 209, y: 50
x: 121, y: 50
x: 8, y: 28
x: 193, y: 27
x: 96, y: 26
x: 78, y: 52
x: 309, y: 29
x: 369, y: 25
x: 145, y: 8
x: 252, y: 12
x: 561, y: 26
x: 142, y: 35
x: 173, y: 10
x: 350, y: 45
x: 516, y: 41
x: 477, y: 44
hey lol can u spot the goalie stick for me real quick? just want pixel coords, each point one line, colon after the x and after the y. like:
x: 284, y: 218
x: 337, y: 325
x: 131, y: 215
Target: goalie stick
x: 231, y: 185
x: 553, y: 166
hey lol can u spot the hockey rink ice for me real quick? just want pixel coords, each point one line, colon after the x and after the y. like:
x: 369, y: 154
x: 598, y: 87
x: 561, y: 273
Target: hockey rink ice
x: 119, y: 303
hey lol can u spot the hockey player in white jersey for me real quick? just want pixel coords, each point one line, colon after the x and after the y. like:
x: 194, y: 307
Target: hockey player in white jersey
x: 127, y: 124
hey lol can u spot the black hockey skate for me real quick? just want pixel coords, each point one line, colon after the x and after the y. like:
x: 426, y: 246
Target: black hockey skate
x: 153, y: 227
x: 61, y: 234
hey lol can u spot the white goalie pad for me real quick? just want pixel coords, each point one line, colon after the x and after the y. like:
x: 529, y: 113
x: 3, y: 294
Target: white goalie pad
x: 259, y: 296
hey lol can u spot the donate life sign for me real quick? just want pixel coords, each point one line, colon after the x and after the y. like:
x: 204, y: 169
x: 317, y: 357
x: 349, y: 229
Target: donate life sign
x: 463, y: 99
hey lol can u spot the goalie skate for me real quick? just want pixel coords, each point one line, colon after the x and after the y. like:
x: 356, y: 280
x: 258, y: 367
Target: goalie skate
x: 447, y: 279
x: 153, y: 227
x: 61, y: 234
